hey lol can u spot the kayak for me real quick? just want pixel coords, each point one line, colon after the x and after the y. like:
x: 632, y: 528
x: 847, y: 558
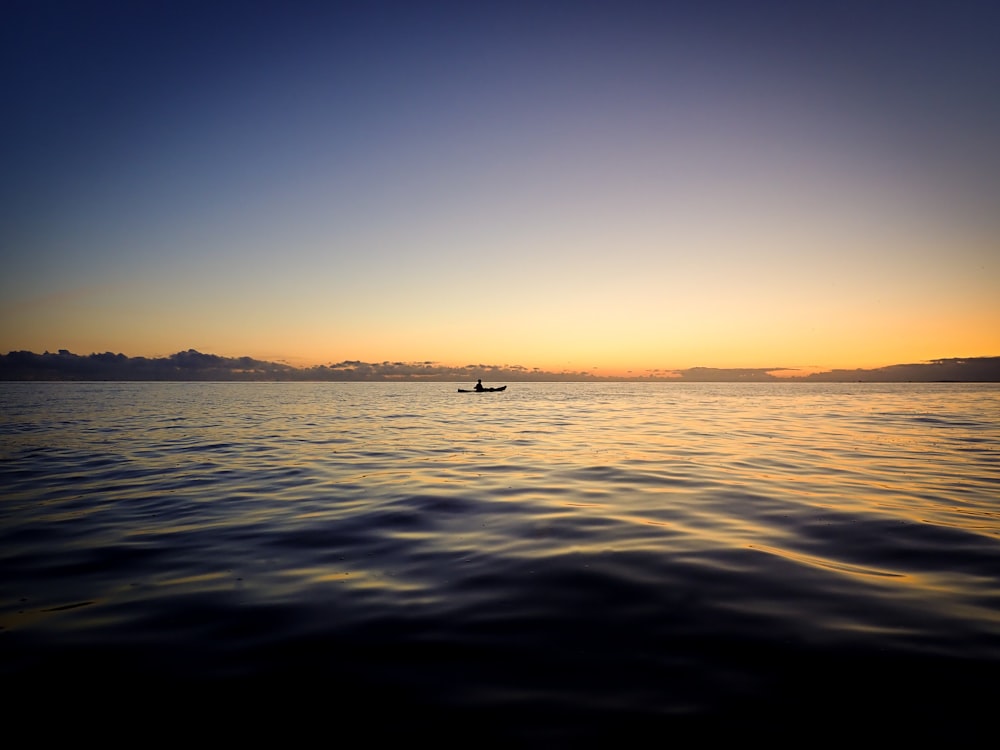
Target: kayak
x: 485, y: 390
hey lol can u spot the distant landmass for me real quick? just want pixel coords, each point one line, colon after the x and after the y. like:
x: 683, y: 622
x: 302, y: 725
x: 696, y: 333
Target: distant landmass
x: 192, y: 365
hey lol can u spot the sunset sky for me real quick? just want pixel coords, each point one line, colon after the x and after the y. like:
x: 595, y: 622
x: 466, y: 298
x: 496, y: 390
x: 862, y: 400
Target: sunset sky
x: 590, y: 186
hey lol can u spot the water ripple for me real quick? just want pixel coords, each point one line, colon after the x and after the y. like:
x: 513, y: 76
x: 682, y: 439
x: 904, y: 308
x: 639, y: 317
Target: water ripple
x: 564, y: 557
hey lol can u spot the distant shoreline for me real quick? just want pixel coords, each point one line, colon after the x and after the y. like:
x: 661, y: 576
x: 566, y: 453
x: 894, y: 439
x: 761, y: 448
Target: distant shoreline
x: 194, y: 366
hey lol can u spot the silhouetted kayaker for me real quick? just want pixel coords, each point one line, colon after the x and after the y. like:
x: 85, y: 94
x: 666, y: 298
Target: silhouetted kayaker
x: 479, y: 385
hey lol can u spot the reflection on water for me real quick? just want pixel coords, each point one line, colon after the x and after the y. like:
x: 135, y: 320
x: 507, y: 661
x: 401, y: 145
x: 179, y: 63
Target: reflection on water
x: 579, y: 559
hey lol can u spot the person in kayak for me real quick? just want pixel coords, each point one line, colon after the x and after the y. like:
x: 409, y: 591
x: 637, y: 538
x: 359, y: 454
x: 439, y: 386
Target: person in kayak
x: 479, y: 385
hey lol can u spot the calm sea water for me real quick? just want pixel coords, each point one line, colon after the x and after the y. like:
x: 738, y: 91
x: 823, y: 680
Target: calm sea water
x: 560, y: 563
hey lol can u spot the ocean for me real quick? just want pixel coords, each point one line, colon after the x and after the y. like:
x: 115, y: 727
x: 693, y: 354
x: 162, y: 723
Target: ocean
x: 558, y: 565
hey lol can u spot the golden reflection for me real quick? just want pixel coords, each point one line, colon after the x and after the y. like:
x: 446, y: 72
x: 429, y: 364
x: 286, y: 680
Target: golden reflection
x: 196, y: 579
x: 819, y: 562
x: 356, y: 579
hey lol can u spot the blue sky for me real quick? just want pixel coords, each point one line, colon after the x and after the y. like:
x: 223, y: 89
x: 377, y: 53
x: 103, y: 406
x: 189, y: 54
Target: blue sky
x: 583, y: 185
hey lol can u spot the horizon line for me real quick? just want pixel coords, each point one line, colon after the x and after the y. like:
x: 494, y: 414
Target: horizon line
x: 194, y: 365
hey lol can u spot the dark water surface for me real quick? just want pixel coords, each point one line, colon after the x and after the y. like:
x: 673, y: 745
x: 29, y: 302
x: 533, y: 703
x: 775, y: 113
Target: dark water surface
x: 558, y: 565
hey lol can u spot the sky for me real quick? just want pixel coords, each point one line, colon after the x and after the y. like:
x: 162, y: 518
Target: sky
x: 606, y: 187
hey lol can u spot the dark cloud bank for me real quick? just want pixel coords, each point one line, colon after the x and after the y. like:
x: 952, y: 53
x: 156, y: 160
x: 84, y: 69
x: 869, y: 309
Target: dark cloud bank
x: 193, y: 365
